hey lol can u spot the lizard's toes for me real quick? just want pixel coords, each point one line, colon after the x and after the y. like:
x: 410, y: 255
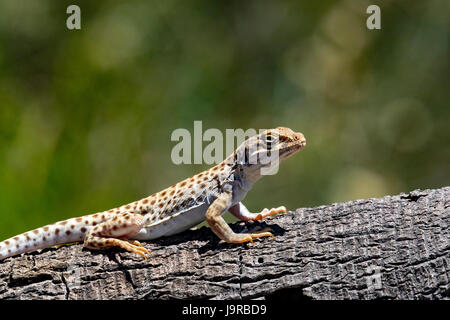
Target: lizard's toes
x: 137, y: 247
x: 248, y: 237
x: 278, y: 210
x: 262, y: 233
x: 266, y: 212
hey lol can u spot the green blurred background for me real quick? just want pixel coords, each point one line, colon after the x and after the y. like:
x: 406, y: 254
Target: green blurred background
x: 86, y: 116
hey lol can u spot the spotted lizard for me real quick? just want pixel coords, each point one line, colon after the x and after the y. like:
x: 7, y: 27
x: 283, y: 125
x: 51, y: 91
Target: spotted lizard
x: 205, y: 196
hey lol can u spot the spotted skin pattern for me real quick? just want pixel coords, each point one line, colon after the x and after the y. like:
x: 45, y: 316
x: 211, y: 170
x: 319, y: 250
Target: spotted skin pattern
x: 205, y: 196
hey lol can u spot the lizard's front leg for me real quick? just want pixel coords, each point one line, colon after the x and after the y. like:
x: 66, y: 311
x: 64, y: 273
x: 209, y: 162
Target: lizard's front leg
x: 242, y: 213
x: 114, y: 232
x: 221, y: 228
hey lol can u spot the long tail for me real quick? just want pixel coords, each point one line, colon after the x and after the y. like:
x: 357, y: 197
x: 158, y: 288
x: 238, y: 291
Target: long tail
x: 66, y: 231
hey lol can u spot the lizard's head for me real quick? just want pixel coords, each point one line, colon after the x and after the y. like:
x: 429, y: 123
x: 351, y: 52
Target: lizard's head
x: 285, y: 142
x: 261, y: 154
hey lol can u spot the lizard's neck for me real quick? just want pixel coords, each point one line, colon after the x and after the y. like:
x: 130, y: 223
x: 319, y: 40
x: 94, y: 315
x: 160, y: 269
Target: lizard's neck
x: 243, y: 178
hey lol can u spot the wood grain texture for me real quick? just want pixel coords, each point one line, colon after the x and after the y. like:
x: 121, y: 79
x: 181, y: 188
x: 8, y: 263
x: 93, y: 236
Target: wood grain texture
x: 396, y: 247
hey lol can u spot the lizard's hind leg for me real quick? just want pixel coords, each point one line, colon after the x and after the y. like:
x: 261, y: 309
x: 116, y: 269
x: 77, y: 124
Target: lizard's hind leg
x: 114, y: 232
x: 242, y: 213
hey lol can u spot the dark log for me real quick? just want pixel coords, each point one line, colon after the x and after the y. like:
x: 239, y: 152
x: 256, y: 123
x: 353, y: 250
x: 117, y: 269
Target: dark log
x: 396, y: 247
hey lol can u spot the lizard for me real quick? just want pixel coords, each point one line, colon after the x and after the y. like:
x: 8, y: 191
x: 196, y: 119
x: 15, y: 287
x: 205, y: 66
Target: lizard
x: 204, y: 196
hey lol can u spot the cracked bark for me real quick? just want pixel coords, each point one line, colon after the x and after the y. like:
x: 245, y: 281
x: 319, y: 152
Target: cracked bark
x: 396, y: 247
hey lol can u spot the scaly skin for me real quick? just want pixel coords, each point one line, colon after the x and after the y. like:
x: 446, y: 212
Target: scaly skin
x: 205, y: 196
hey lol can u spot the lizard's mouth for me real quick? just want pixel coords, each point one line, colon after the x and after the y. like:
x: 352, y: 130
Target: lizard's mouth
x: 290, y: 150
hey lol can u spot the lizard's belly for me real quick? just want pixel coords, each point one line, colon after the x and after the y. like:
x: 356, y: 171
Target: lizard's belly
x: 173, y: 224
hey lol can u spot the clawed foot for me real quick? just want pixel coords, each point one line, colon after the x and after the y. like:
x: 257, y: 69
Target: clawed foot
x: 266, y: 212
x: 135, y: 247
x: 248, y: 237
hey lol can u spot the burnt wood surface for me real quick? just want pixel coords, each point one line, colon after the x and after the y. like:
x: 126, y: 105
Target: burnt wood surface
x: 395, y: 247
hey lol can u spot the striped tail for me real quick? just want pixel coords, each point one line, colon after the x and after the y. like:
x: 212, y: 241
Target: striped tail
x: 66, y: 231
